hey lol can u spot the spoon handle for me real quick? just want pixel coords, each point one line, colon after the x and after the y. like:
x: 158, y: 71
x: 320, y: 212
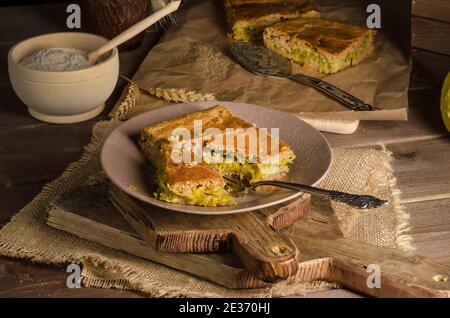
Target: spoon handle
x: 134, y: 30
x: 338, y: 94
x: 354, y: 200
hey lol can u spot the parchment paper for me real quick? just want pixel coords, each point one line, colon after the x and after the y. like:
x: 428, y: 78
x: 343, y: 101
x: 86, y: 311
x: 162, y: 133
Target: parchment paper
x: 193, y: 55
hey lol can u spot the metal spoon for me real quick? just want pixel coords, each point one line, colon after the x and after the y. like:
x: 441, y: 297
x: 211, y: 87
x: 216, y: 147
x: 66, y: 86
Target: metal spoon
x: 262, y: 61
x: 353, y: 200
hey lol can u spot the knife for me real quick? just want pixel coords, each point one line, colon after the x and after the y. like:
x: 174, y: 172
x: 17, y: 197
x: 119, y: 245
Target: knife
x: 262, y: 61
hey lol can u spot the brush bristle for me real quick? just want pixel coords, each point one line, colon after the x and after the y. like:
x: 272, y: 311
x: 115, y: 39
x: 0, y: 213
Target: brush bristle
x: 158, y: 4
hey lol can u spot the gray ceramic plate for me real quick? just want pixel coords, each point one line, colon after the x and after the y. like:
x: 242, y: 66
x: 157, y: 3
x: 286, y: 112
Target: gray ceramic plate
x: 128, y: 170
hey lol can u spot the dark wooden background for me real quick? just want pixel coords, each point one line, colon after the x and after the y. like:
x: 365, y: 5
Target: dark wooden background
x: 430, y: 40
x: 33, y: 153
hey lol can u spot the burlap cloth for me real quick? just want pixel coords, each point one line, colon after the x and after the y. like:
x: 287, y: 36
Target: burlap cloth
x: 28, y: 236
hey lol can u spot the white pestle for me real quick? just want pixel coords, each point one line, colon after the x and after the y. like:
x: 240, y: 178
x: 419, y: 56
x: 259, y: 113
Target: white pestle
x: 133, y: 30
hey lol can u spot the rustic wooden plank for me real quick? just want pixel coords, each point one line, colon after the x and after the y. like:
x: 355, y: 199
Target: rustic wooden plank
x: 21, y: 278
x: 424, y: 123
x: 4, y: 49
x: 434, y: 245
x: 429, y: 217
x: 432, y: 9
x: 430, y: 228
x: 16, y: 198
x: 422, y: 169
x: 430, y: 35
x: 41, y: 153
x: 430, y: 67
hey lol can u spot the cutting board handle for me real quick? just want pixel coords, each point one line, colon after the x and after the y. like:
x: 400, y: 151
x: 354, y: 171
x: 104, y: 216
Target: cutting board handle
x: 266, y: 253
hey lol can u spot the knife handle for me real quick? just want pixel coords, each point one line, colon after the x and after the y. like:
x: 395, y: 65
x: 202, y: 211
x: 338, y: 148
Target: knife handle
x: 334, y: 92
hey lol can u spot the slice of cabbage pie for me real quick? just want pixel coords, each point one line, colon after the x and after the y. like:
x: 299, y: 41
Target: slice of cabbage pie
x: 321, y: 45
x: 190, y: 167
x: 248, y: 19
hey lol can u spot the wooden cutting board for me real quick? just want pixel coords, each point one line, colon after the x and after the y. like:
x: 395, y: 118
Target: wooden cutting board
x: 89, y: 214
x: 326, y: 255
x: 265, y: 252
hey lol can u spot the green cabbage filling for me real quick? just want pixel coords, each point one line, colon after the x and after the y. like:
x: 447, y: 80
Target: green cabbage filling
x: 251, y: 172
x: 306, y: 56
x: 248, y: 33
x: 252, y: 31
x: 321, y: 62
x: 357, y: 53
x: 219, y: 196
x: 196, y: 196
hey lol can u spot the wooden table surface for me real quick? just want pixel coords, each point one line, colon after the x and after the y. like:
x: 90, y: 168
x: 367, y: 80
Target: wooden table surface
x: 33, y: 153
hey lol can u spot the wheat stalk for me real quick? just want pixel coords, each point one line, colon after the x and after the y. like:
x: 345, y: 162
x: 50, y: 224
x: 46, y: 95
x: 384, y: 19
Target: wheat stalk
x: 176, y: 95
x: 127, y: 103
x: 179, y: 95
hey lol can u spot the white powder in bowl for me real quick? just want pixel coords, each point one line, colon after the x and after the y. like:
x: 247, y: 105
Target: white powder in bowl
x: 57, y: 60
